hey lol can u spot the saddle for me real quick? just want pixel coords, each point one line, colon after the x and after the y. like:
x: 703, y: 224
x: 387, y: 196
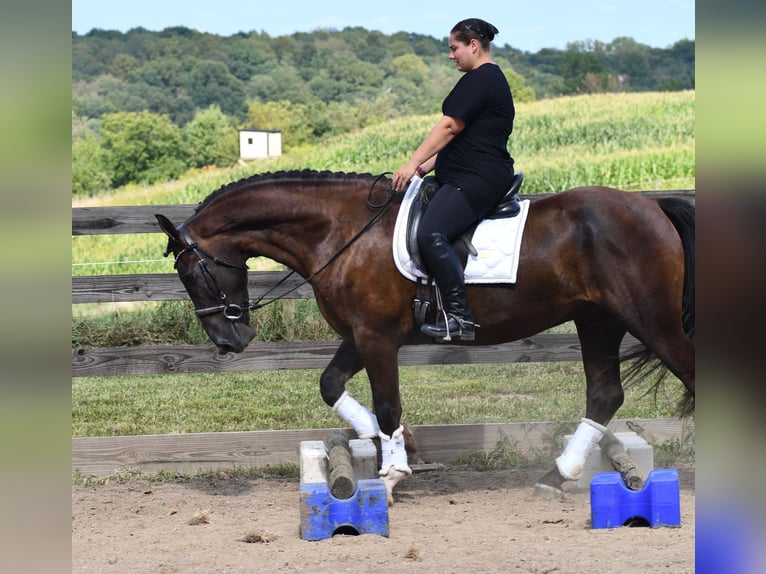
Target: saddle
x: 508, y: 206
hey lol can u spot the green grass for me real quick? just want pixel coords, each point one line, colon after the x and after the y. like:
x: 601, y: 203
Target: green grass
x: 281, y: 400
x: 174, y: 323
x: 133, y: 475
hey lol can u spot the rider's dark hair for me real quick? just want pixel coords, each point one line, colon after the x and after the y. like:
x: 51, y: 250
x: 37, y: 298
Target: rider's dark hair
x: 475, y: 29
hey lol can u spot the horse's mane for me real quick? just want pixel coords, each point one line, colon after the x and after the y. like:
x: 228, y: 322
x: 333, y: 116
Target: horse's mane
x: 305, y: 174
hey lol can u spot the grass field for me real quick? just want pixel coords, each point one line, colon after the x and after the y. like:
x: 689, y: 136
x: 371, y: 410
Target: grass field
x: 281, y: 400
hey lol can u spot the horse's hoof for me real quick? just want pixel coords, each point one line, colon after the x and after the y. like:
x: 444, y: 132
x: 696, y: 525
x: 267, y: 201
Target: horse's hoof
x: 391, y: 479
x: 548, y: 492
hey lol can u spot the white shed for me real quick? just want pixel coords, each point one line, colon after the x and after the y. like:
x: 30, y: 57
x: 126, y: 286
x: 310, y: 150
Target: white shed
x: 256, y: 144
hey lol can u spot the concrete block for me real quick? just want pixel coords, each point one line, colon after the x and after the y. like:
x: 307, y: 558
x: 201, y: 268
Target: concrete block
x: 636, y: 447
x: 364, y: 458
x: 313, y: 461
x: 322, y: 514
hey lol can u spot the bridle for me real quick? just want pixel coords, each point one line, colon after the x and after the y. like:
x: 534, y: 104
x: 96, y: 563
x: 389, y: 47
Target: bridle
x: 231, y: 311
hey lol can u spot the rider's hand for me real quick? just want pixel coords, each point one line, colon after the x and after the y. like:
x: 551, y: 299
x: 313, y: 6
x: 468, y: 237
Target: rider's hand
x: 402, y: 176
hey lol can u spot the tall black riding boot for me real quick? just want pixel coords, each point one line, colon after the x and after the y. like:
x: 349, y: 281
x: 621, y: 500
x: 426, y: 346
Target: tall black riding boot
x: 444, y: 265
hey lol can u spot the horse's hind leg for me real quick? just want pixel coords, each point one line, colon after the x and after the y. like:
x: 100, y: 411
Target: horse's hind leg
x: 600, y: 337
x: 673, y: 348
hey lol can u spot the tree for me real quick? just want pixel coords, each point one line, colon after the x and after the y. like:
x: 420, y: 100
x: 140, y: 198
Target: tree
x: 89, y: 171
x: 249, y: 56
x: 373, y: 49
x: 521, y: 92
x: 209, y: 82
x: 142, y: 147
x: 211, y: 139
x: 580, y: 62
x: 283, y: 83
x: 348, y: 69
x: 293, y: 120
x: 630, y: 59
x: 163, y: 72
x: 106, y: 94
x: 123, y: 66
x: 411, y: 67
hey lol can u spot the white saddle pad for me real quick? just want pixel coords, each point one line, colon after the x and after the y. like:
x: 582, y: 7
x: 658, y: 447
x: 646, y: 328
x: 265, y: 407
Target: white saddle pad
x: 497, y: 241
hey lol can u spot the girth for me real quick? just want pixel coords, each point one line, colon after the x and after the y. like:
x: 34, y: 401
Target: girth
x: 508, y: 206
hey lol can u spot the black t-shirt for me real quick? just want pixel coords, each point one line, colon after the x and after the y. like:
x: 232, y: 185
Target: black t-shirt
x: 477, y: 160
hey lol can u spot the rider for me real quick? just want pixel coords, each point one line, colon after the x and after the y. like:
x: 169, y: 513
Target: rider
x: 468, y: 147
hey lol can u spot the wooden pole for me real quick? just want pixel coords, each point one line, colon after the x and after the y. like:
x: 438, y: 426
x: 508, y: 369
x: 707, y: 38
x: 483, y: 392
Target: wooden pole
x: 621, y: 462
x: 341, y: 475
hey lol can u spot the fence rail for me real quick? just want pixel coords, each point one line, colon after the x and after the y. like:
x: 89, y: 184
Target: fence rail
x: 158, y: 360
x: 195, y: 452
x: 167, y: 287
x: 140, y: 218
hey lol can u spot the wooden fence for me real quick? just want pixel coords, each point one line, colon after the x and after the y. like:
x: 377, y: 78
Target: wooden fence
x: 261, y: 356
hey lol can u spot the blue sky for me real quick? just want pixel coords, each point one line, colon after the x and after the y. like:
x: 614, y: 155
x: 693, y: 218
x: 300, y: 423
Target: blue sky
x: 528, y: 26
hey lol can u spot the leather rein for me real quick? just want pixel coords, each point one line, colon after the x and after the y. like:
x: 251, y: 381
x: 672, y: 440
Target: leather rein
x: 234, y: 311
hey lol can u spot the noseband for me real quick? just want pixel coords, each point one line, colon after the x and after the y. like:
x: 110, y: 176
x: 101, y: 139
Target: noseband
x: 231, y: 311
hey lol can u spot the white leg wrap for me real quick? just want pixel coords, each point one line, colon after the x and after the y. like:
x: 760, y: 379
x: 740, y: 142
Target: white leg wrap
x: 584, y: 440
x: 393, y: 452
x: 364, y: 423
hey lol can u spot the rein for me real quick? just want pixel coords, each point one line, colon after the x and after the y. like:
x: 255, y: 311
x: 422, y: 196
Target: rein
x: 233, y: 311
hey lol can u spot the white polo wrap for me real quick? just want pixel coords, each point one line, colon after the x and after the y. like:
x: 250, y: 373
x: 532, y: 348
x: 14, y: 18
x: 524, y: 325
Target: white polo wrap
x: 393, y: 452
x: 584, y: 440
x: 364, y: 423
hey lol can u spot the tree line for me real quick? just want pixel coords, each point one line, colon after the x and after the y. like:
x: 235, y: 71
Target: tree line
x: 191, y: 90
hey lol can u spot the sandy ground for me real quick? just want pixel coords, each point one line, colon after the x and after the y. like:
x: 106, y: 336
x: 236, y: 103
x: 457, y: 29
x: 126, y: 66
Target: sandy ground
x: 443, y: 521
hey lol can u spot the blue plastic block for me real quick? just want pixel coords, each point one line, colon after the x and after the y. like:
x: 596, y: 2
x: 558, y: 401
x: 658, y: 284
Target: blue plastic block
x: 613, y: 504
x: 322, y: 515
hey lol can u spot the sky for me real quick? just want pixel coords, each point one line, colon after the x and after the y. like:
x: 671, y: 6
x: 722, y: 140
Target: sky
x: 527, y: 26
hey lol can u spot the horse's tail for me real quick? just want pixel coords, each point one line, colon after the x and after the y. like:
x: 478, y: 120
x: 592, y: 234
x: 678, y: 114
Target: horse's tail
x: 682, y: 214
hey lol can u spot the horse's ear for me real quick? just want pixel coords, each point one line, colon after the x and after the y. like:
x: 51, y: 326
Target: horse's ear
x: 167, y: 226
x: 170, y: 230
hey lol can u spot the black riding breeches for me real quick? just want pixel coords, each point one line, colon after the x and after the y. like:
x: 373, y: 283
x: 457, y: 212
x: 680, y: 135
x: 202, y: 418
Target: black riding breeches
x: 449, y: 213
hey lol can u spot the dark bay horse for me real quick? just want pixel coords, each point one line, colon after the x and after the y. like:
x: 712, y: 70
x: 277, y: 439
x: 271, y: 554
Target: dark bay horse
x: 612, y: 262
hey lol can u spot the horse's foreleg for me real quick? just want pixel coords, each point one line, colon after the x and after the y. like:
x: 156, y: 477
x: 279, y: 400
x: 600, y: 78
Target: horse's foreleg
x: 600, y: 338
x: 380, y: 357
x: 344, y: 365
x: 385, y: 423
x: 393, y: 467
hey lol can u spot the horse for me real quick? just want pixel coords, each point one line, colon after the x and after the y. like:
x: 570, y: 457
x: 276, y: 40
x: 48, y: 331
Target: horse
x: 611, y: 261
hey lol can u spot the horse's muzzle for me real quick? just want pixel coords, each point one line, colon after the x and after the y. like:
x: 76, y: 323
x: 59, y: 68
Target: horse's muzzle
x: 236, y: 340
